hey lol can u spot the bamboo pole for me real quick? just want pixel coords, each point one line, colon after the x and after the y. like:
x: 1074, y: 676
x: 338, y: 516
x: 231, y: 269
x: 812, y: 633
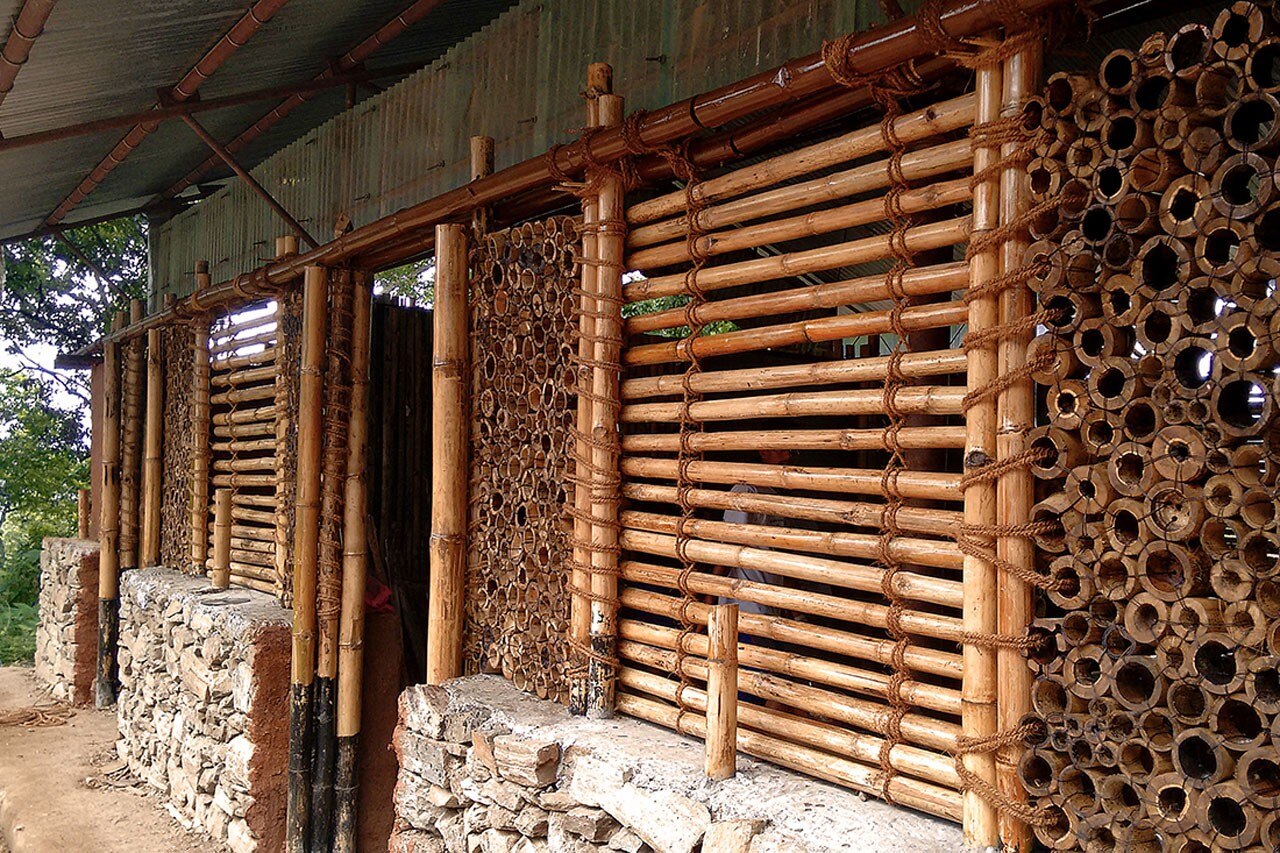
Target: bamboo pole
x: 979, y: 719
x: 920, y: 281
x: 922, y: 124
x: 914, y: 400
x: 836, y: 641
x: 933, y: 437
x: 811, y: 762
x: 1015, y: 490
x: 599, y: 81
x: 481, y: 167
x: 935, y: 235
x: 911, y: 365
x: 910, y: 519
x: 916, y: 165
x: 130, y: 443
x: 722, y: 693
x: 355, y: 555
x: 200, y: 424
x: 220, y: 571
x: 152, y: 460
x: 925, y: 765
x: 802, y: 332
x: 606, y: 398
x: 109, y: 526
x: 305, y: 545
x: 337, y: 397
x: 83, y: 508
x: 449, y: 469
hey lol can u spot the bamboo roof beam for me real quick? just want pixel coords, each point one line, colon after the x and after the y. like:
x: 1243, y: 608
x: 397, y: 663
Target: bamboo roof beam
x: 27, y: 27
x: 794, y: 82
x: 232, y: 40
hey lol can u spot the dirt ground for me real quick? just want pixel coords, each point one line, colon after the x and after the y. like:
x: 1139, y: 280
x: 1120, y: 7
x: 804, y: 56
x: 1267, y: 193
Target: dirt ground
x: 63, y: 790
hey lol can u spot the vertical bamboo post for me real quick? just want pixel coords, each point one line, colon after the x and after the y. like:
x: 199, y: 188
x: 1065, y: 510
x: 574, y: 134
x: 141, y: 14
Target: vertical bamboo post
x: 1015, y: 490
x: 602, y: 673
x: 978, y: 690
x: 329, y: 584
x: 305, y: 545
x: 82, y: 512
x: 481, y: 167
x: 355, y: 556
x: 200, y: 417
x: 722, y: 692
x: 286, y: 244
x: 449, y: 433
x: 599, y: 81
x: 151, y: 457
x: 220, y: 571
x: 130, y: 434
x: 109, y: 524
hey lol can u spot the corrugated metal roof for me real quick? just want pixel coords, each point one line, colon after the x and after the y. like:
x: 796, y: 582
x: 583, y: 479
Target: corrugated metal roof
x: 517, y: 80
x: 99, y: 58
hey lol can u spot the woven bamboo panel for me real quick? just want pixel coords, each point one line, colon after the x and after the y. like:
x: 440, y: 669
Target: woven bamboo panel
x: 522, y: 327
x: 175, y: 500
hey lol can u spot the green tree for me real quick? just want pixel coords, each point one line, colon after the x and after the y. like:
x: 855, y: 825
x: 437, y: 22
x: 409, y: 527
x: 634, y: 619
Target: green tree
x: 58, y: 293
x: 43, y: 461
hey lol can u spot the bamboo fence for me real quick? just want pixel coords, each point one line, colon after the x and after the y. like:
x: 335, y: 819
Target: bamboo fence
x: 1157, y: 688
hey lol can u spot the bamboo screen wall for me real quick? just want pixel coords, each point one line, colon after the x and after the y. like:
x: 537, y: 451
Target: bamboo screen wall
x: 242, y: 409
x: 824, y: 496
x: 175, y: 497
x: 523, y: 322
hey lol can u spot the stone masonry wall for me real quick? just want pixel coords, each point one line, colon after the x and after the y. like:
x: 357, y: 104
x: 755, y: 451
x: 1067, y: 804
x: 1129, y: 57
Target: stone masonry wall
x: 203, y: 703
x: 67, y: 637
x: 484, y: 767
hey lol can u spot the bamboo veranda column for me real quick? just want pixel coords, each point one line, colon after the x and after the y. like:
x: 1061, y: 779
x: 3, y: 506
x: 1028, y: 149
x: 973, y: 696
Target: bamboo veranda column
x: 130, y: 441
x: 606, y: 405
x: 355, y: 556
x: 200, y: 417
x: 220, y: 570
x: 152, y: 462
x: 722, y: 692
x: 83, y: 508
x: 1015, y: 490
x: 305, y: 544
x: 599, y: 81
x: 450, y: 376
x: 109, y: 524
x: 979, y: 689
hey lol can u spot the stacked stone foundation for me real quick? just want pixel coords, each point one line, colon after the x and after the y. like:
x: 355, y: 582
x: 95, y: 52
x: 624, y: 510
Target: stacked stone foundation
x: 67, y: 636
x: 203, y: 702
x: 484, y: 767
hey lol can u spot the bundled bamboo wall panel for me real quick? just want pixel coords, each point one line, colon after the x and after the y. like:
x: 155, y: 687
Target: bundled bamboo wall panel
x: 1153, y: 688
x: 178, y: 465
x: 522, y: 330
x: 152, y: 457
x: 131, y: 433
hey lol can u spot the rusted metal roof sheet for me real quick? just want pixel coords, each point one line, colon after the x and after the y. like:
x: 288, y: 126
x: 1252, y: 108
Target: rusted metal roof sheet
x: 518, y: 80
x: 100, y: 58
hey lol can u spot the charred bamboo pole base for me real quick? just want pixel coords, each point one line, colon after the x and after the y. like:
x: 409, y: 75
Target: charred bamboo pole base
x: 346, y: 784
x: 105, y: 683
x: 298, y: 805
x: 324, y: 703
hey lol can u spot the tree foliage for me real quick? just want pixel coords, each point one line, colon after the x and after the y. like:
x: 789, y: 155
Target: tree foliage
x: 60, y: 291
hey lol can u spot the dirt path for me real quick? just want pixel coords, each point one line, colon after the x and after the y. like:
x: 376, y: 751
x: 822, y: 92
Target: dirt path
x: 63, y: 789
